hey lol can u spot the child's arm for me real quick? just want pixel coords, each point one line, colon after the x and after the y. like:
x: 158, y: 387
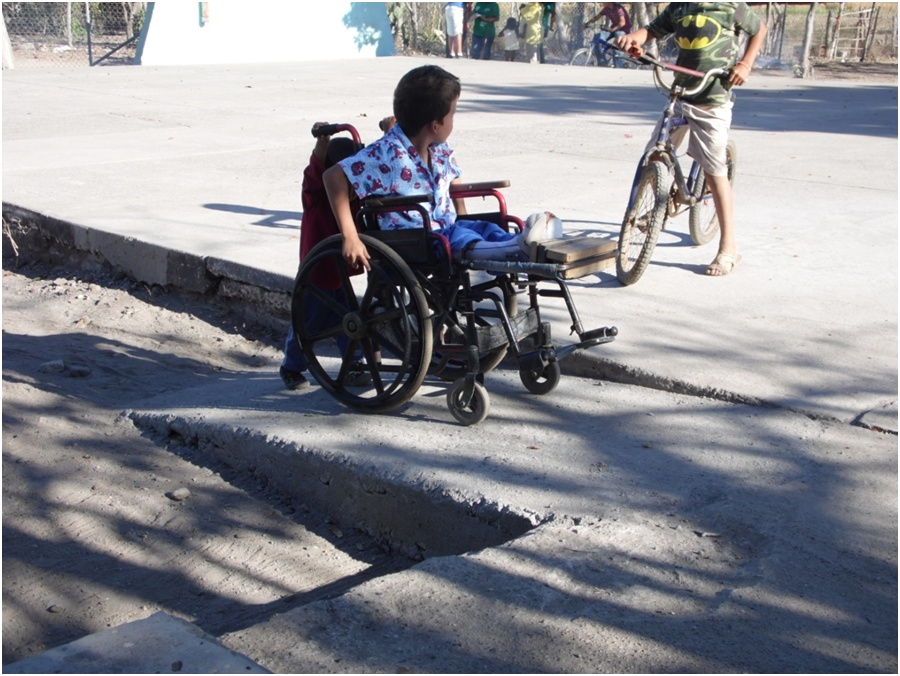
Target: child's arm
x: 459, y: 203
x: 636, y: 38
x: 339, y: 193
x: 741, y: 70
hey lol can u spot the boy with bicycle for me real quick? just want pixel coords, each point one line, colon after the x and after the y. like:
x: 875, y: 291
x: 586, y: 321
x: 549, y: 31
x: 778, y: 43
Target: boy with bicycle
x: 707, y: 35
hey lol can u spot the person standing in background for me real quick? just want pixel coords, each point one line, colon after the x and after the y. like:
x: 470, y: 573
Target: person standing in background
x: 510, y: 35
x: 486, y: 14
x: 548, y: 23
x: 532, y: 14
x: 455, y: 22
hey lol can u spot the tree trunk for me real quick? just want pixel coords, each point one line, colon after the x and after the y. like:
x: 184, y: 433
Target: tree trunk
x: 805, y: 68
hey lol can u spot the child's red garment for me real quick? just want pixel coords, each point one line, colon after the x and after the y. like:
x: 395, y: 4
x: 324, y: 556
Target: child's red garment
x: 318, y: 223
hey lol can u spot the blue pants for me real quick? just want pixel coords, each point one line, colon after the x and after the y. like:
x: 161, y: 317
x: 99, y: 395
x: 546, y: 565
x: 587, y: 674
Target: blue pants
x: 318, y: 316
x: 483, y: 240
x: 481, y: 47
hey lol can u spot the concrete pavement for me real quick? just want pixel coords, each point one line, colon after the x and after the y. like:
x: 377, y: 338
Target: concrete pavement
x: 748, y: 528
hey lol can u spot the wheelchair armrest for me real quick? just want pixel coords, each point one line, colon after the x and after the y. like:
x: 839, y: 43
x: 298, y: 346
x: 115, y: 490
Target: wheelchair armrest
x: 395, y: 200
x: 486, y: 186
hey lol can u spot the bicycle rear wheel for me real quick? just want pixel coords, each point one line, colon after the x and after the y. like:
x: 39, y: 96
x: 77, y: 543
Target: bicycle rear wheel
x: 642, y: 223
x: 704, y: 221
x: 583, y: 57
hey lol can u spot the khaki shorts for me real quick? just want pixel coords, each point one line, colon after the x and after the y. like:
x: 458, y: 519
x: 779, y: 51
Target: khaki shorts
x: 708, y: 140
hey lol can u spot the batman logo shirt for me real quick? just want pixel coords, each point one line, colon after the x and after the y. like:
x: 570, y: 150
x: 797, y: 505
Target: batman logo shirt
x: 708, y: 36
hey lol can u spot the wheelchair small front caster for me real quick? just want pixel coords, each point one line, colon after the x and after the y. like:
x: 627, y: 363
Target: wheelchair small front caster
x: 541, y: 381
x: 473, y: 412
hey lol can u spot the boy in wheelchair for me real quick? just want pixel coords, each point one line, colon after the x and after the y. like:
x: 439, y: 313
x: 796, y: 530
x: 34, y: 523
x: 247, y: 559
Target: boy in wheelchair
x: 408, y: 317
x: 414, y: 158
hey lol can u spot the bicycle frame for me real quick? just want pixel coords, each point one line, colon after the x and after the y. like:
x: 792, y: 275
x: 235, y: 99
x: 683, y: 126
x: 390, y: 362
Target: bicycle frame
x: 663, y: 147
x: 601, y: 48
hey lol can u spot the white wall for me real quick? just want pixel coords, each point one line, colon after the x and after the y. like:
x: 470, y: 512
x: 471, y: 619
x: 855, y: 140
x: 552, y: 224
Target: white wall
x: 259, y: 31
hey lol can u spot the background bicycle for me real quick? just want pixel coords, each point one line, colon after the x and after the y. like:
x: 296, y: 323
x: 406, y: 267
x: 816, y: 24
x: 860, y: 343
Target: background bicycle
x: 595, y: 52
x: 598, y: 52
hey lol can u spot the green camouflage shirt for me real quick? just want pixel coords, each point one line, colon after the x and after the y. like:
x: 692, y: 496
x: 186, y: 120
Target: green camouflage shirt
x: 708, y: 36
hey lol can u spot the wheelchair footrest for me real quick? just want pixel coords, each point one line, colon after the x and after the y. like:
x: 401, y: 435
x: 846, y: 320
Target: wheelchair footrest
x: 597, y: 336
x: 578, y: 256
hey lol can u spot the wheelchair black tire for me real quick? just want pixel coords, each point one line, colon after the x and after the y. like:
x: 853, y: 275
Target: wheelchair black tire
x: 541, y: 382
x: 383, y: 313
x: 478, y: 407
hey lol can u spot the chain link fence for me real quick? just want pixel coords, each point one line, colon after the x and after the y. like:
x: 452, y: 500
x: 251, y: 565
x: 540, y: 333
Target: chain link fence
x: 87, y: 33
x: 42, y: 34
x: 843, y: 32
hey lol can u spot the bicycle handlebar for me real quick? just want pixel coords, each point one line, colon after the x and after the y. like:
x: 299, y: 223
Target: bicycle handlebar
x: 658, y: 66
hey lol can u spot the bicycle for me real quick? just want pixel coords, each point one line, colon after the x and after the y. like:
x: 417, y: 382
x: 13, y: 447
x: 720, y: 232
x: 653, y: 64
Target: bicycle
x: 598, y: 52
x: 661, y: 189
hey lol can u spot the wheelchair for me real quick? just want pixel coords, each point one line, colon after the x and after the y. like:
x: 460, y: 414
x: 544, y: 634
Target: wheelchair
x: 417, y: 313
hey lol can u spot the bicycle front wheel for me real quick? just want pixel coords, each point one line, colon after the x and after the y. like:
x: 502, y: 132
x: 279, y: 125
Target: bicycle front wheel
x: 643, y: 221
x: 583, y: 57
x: 703, y: 218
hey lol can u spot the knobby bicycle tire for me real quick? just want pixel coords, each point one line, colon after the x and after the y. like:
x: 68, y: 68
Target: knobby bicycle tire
x: 642, y: 223
x: 583, y: 57
x: 704, y: 221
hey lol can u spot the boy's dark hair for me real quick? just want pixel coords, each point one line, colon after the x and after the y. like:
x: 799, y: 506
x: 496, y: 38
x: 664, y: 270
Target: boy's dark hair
x: 424, y: 95
x: 340, y: 148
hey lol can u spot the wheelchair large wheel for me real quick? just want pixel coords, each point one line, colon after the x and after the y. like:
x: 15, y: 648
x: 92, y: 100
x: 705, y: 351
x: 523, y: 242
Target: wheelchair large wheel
x: 453, y: 332
x: 703, y: 219
x: 368, y: 343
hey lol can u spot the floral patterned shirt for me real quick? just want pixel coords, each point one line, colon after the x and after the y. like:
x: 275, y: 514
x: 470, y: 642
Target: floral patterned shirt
x: 392, y: 166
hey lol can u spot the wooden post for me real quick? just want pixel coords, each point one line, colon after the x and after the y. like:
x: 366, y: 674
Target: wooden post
x: 832, y: 48
x: 870, y: 33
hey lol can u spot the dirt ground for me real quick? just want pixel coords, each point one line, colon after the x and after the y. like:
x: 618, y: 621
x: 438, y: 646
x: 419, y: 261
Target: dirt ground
x: 102, y: 526
x: 860, y: 72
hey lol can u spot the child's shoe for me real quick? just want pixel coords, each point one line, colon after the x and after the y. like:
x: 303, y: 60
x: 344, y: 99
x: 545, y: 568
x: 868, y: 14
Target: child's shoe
x: 293, y: 380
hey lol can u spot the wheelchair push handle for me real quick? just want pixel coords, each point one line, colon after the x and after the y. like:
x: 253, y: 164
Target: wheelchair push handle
x: 332, y: 129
